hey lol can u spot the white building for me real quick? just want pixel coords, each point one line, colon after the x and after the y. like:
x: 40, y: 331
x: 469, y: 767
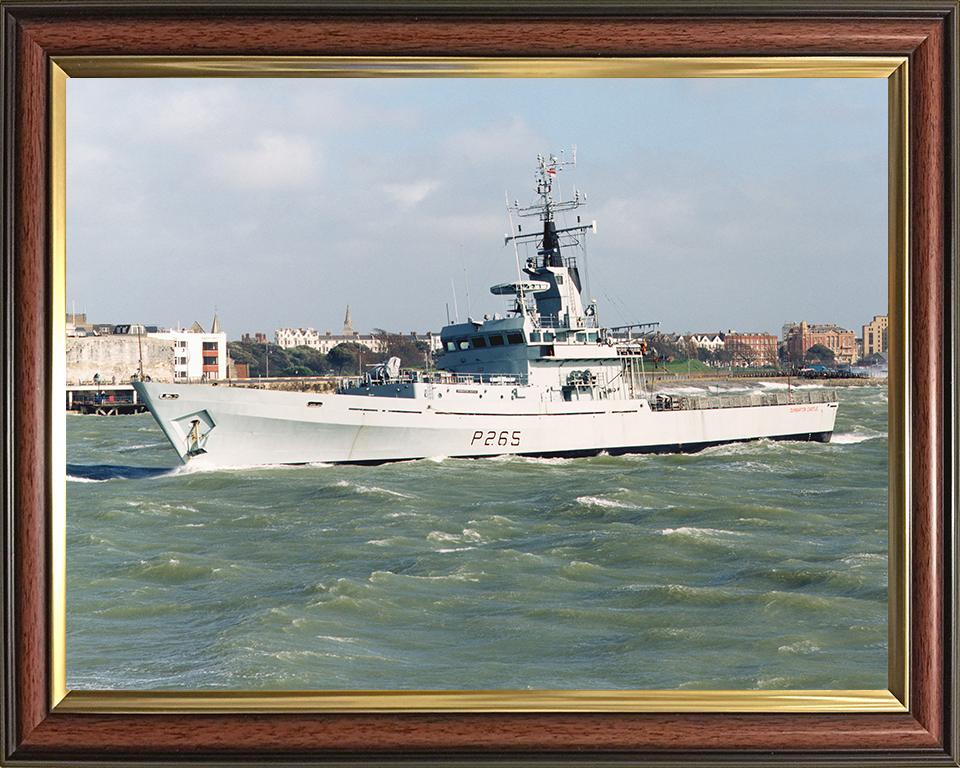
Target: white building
x: 296, y: 337
x: 198, y: 356
x: 308, y: 337
x: 711, y: 341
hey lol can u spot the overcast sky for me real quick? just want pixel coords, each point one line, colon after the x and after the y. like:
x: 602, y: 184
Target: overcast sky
x: 720, y: 204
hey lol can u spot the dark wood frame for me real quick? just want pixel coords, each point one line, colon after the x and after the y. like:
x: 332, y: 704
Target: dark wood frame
x: 34, y: 733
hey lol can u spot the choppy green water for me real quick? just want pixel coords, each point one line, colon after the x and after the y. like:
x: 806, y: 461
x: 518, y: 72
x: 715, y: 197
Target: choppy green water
x: 758, y: 565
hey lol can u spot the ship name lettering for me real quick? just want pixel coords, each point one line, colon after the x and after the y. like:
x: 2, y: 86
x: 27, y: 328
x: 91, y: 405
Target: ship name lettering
x: 497, y: 438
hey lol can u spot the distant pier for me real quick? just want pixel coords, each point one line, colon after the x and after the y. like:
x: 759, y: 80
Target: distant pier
x: 103, y: 399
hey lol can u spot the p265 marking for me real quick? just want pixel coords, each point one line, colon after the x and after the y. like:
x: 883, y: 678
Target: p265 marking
x: 496, y: 438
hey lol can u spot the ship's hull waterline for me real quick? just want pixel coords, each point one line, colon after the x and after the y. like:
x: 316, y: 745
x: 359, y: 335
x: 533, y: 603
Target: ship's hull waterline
x: 230, y: 426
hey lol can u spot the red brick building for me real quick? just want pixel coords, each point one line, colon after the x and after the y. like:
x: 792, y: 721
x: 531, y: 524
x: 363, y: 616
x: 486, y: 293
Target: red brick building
x: 750, y: 349
x: 838, y: 340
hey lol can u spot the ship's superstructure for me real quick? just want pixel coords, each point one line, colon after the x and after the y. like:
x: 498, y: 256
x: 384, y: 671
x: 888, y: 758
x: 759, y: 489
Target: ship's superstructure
x: 544, y: 380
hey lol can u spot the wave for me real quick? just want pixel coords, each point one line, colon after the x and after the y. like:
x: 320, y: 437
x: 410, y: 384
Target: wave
x: 541, y: 460
x: 171, y: 570
x: 94, y: 473
x: 597, y: 501
x: 652, y: 595
x: 800, y: 646
x: 140, y: 447
x: 859, y: 435
x: 372, y: 489
x: 468, y: 535
x: 203, y: 464
x: 701, y: 533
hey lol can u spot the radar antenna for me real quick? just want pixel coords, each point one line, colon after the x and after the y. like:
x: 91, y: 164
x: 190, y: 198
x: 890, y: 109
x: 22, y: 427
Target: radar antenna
x: 549, y: 246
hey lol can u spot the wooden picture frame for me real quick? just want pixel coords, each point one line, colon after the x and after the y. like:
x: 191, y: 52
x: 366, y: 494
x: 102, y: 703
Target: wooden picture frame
x: 37, y: 730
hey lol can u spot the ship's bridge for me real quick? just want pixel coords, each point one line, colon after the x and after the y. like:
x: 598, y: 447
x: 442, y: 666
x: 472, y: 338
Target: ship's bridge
x: 497, y: 343
x: 511, y: 344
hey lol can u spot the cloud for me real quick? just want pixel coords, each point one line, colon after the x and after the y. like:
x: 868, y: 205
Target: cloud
x: 714, y: 209
x: 408, y: 195
x: 186, y: 114
x: 271, y: 163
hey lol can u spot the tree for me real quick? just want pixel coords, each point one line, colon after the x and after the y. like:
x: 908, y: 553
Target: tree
x: 255, y: 354
x: 706, y: 355
x: 740, y: 351
x: 772, y: 359
x: 819, y: 353
x: 396, y: 345
x: 309, y: 360
x: 346, y: 355
x: 723, y: 356
x: 664, y: 347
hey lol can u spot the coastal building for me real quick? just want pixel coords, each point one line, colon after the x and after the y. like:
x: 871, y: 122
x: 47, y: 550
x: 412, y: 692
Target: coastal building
x: 875, y: 337
x: 288, y: 338
x: 838, y: 340
x: 198, y: 356
x: 751, y: 349
x: 296, y: 337
x: 76, y: 325
x: 116, y: 358
x: 116, y: 354
x: 711, y: 341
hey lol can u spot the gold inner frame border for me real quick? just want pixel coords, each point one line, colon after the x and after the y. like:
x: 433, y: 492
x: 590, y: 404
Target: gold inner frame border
x: 894, y: 699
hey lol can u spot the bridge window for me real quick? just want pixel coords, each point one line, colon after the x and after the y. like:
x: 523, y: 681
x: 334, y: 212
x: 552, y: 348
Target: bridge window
x: 496, y: 341
x: 451, y: 346
x: 479, y: 341
x: 514, y: 338
x: 535, y: 336
x: 463, y: 343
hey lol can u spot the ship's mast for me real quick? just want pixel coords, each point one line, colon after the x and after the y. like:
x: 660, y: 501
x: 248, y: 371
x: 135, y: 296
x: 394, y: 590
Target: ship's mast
x: 549, y: 246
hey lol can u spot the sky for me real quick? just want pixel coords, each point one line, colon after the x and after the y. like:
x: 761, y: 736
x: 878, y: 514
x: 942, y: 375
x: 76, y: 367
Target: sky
x: 721, y: 204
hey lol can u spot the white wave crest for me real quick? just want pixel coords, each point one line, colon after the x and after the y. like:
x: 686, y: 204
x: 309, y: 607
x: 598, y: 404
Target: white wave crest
x: 129, y: 448
x: 859, y: 435
x: 202, y: 464
x: 701, y: 533
x: 596, y: 501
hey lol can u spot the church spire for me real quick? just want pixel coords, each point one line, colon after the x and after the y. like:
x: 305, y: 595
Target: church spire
x: 216, y: 323
x: 348, y: 324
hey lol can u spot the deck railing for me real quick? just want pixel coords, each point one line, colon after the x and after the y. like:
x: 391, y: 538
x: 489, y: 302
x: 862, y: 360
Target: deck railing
x: 664, y: 402
x: 437, y: 377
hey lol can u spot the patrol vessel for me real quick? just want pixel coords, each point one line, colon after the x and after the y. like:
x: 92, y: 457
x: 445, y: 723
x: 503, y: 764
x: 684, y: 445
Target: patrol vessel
x: 544, y: 380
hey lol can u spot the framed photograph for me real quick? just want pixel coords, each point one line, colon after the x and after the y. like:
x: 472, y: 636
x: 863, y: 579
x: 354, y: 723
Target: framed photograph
x: 49, y: 717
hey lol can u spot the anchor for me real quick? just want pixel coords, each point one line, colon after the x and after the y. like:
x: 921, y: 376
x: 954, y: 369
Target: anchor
x: 195, y: 438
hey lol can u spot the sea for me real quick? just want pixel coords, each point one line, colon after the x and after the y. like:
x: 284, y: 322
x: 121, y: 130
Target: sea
x: 758, y: 565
